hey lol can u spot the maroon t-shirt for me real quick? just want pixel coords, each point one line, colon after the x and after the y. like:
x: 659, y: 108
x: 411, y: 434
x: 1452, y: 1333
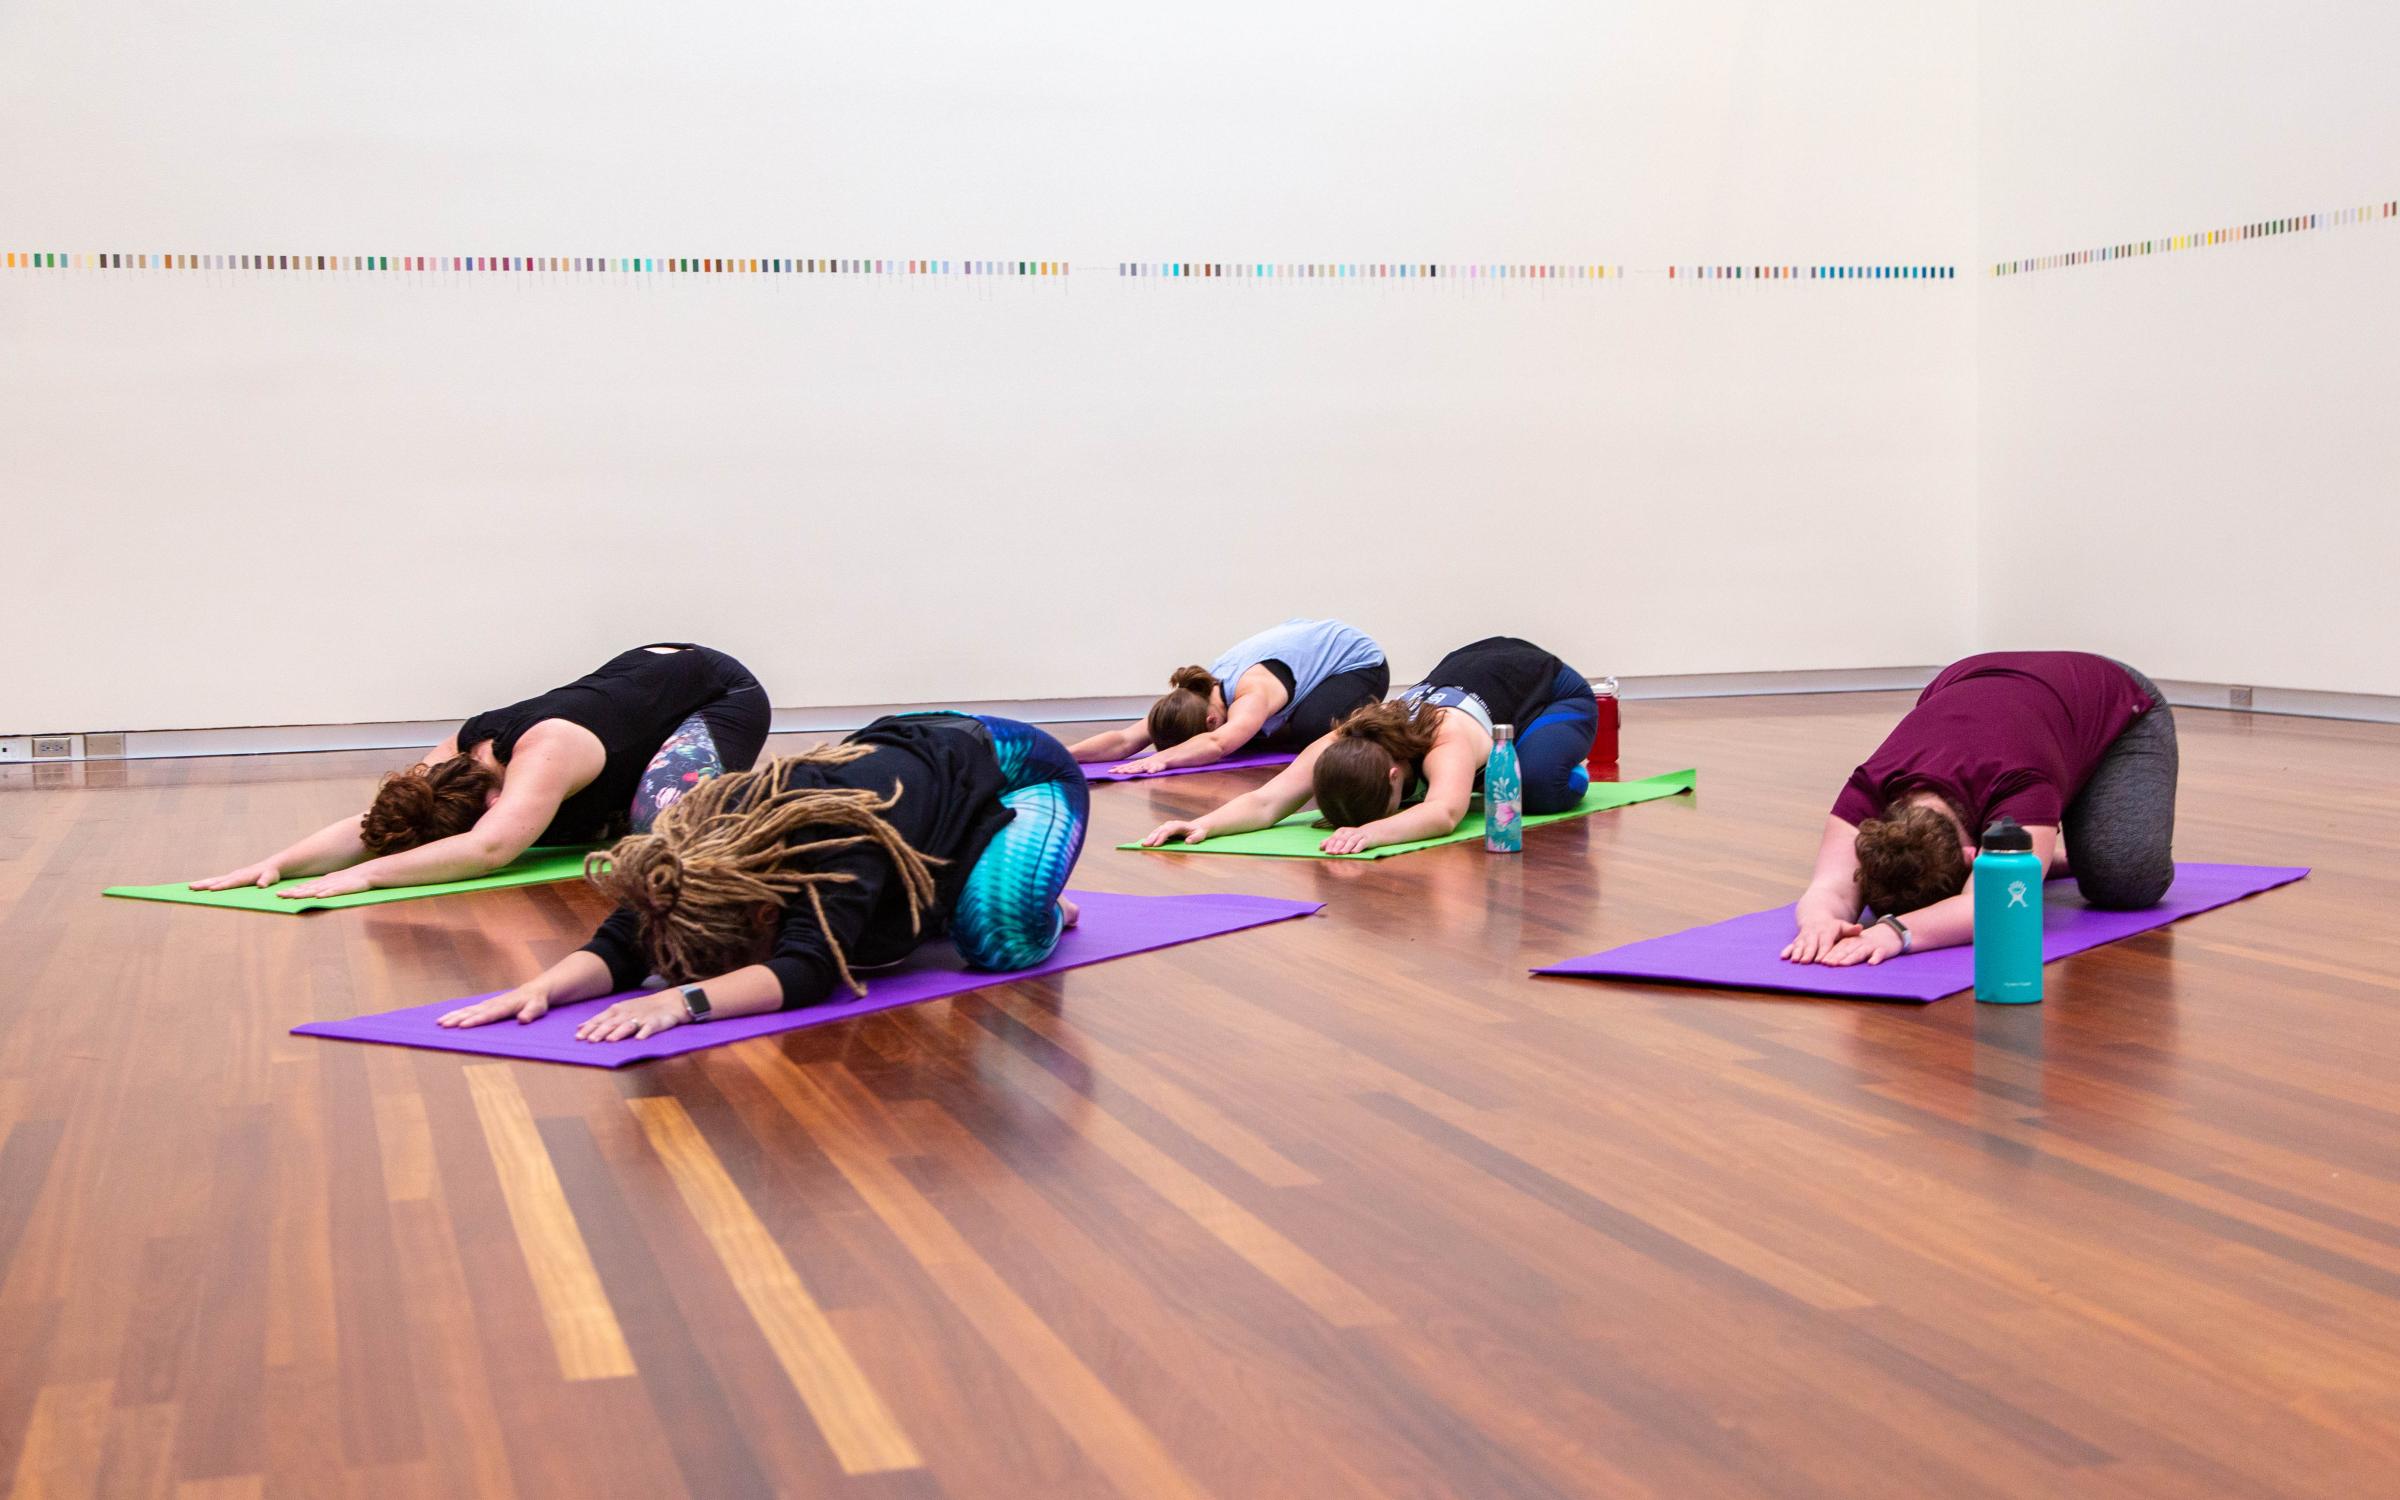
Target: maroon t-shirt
x: 2015, y: 732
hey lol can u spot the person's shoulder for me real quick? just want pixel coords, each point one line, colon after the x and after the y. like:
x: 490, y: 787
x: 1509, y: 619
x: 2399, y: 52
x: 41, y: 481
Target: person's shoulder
x: 556, y: 737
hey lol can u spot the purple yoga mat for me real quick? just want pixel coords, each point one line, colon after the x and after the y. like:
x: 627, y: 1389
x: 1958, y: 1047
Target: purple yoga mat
x: 1111, y: 927
x: 1098, y: 770
x: 1740, y: 954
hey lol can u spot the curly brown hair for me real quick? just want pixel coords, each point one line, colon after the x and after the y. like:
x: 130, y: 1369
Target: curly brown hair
x: 735, y: 844
x: 1909, y: 858
x: 1353, y: 776
x: 425, y: 803
x: 1183, y: 711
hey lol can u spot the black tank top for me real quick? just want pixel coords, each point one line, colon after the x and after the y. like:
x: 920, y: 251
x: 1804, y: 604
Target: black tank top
x: 631, y: 703
x: 1513, y: 678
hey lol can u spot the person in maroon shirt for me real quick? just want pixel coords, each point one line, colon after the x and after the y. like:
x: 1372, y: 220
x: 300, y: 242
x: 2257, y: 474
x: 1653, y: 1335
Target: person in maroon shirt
x: 2058, y: 740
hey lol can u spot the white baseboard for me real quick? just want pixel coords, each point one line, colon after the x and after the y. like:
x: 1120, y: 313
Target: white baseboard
x: 2300, y: 703
x: 293, y: 739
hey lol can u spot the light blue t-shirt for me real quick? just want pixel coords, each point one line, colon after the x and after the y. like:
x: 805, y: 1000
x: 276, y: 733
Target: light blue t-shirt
x: 1312, y: 649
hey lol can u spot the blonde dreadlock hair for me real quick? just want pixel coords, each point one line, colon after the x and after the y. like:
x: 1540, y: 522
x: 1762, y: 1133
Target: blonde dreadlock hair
x: 731, y: 845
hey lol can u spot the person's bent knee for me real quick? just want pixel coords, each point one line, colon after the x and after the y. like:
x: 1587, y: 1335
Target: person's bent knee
x: 2126, y: 892
x: 1553, y: 794
x: 1004, y: 947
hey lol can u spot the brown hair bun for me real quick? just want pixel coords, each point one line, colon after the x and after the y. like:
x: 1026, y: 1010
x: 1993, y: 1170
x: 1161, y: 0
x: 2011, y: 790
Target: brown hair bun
x: 425, y: 803
x: 1183, y: 711
x: 1908, y: 860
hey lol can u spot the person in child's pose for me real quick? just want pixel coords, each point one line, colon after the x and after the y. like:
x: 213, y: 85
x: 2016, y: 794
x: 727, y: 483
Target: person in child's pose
x: 1277, y: 692
x: 578, y: 764
x: 2058, y: 740
x: 1395, y: 772
x: 765, y: 890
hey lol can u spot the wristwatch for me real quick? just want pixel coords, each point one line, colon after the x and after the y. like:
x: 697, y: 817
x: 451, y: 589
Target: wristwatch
x: 1895, y: 924
x: 695, y: 1002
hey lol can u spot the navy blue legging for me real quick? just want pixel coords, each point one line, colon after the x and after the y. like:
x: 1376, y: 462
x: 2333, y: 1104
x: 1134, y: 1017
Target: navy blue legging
x: 1551, y: 749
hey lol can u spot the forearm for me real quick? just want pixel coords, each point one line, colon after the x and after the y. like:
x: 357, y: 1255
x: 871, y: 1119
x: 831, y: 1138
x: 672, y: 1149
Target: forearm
x: 336, y: 846
x: 752, y: 990
x: 1831, y: 902
x: 1108, y: 744
x: 580, y: 975
x: 1945, y: 924
x: 1200, y: 750
x: 460, y: 857
x: 1243, y: 814
x: 1423, y: 821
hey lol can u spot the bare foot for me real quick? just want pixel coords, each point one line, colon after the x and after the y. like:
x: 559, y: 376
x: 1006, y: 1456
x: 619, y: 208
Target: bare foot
x: 1069, y: 910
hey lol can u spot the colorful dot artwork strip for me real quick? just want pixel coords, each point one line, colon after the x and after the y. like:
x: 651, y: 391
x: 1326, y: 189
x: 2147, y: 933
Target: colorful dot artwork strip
x: 1174, y: 270
x: 617, y: 265
x: 2206, y: 239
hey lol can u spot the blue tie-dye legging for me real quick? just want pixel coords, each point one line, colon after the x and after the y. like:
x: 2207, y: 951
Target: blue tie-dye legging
x: 1007, y: 916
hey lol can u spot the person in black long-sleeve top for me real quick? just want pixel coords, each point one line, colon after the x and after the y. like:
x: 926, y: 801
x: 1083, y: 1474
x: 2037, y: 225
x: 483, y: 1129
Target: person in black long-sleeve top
x: 765, y: 891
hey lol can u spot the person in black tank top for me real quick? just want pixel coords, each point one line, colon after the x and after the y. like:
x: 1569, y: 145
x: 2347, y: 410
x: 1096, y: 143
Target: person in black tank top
x: 580, y: 764
x: 1436, y: 735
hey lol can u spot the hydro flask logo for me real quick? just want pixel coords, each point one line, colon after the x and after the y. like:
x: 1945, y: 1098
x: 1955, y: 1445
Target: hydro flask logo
x: 2016, y: 893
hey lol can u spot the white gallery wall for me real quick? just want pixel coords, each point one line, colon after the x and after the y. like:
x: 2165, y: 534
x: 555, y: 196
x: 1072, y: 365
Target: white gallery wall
x: 261, y: 498
x: 2192, y: 460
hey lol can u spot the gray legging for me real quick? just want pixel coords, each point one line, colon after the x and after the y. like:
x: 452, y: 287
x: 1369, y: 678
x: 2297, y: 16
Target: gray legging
x: 2120, y: 829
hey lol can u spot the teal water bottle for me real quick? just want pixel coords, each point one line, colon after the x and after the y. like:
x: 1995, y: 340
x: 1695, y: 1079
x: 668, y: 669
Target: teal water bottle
x: 1503, y: 795
x: 2008, y: 916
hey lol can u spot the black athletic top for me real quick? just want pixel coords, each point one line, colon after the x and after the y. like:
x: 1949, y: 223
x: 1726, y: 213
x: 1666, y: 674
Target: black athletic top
x: 1513, y: 678
x: 949, y: 809
x: 631, y: 703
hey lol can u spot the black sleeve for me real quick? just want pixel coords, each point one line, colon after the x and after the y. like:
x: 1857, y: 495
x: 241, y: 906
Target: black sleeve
x: 618, y: 945
x: 803, y: 961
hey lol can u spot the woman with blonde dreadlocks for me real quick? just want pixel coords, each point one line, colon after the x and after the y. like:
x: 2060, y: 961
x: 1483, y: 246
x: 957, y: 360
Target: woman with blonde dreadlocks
x: 768, y: 890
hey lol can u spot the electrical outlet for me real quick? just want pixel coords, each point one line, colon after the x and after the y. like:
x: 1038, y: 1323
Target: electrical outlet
x: 104, y: 746
x: 2241, y: 697
x: 53, y: 746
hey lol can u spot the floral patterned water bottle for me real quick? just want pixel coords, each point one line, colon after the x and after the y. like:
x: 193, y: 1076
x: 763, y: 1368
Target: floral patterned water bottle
x: 1503, y: 795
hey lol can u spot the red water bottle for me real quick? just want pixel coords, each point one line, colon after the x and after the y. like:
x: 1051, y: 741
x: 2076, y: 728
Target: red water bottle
x: 1602, y: 762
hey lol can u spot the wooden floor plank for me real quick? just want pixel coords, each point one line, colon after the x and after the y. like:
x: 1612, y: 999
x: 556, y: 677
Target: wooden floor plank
x: 858, y: 1425
x: 1343, y: 1208
x: 582, y: 1324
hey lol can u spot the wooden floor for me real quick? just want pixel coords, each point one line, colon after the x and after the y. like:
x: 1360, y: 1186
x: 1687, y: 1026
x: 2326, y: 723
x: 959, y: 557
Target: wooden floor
x: 1341, y: 1207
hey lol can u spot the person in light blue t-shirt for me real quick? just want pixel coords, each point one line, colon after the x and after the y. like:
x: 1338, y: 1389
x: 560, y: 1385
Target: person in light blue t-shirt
x: 1278, y: 691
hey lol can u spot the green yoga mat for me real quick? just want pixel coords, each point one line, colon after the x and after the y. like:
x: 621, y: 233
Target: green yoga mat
x: 533, y: 867
x: 1297, y: 836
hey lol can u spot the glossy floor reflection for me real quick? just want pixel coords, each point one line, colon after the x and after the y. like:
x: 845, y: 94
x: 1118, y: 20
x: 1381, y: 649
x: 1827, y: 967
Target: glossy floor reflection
x: 1342, y: 1207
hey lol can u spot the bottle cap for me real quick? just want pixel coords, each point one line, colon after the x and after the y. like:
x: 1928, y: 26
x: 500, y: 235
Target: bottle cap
x: 2005, y: 837
x: 1503, y: 733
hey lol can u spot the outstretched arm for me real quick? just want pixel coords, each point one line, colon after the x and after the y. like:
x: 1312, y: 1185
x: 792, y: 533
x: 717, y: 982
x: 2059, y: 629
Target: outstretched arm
x: 1827, y: 912
x: 335, y: 846
x: 1264, y: 807
x: 540, y: 777
x: 1243, y: 721
x: 581, y: 975
x: 1947, y: 923
x: 1111, y: 744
